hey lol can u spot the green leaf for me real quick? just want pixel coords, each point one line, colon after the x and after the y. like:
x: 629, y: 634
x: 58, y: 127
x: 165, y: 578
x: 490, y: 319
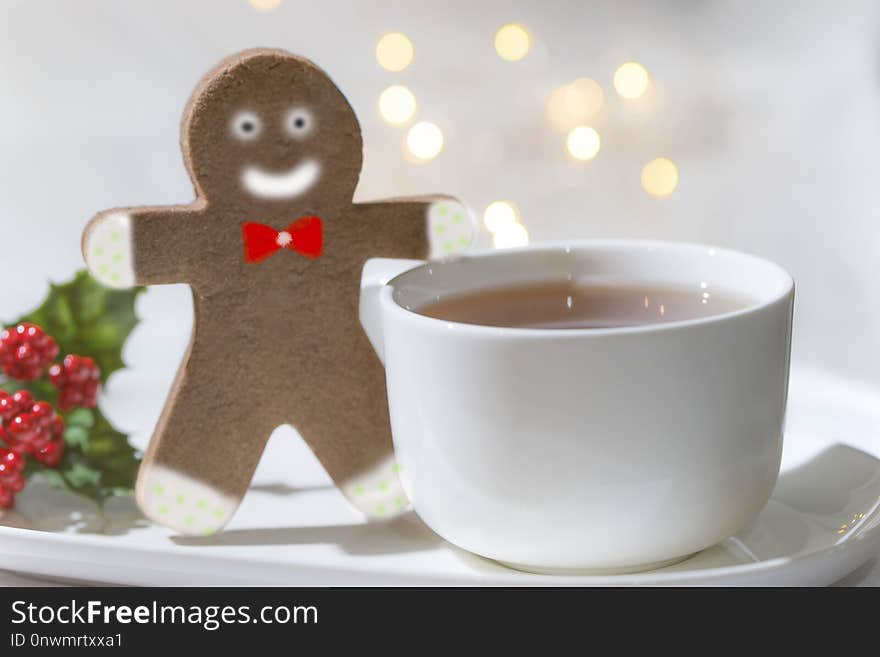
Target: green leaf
x: 76, y: 436
x: 80, y: 475
x: 81, y: 417
x: 98, y: 462
x: 87, y: 319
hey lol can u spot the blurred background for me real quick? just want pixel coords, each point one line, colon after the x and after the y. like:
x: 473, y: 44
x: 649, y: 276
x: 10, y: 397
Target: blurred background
x: 749, y: 125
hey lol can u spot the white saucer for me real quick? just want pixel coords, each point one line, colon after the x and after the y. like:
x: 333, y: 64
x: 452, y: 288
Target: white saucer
x: 295, y: 529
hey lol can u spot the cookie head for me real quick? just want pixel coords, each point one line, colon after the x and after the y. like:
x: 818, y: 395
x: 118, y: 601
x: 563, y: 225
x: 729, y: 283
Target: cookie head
x: 267, y: 128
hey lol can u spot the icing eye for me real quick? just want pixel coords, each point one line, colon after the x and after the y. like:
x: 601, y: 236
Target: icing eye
x: 246, y: 126
x: 298, y: 122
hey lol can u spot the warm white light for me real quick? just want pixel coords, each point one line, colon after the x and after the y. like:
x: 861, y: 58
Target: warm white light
x: 512, y: 42
x: 510, y: 236
x: 660, y: 177
x: 583, y: 143
x: 575, y: 103
x: 397, y: 104
x: 394, y: 51
x: 265, y: 5
x: 424, y: 140
x: 631, y: 80
x: 499, y: 214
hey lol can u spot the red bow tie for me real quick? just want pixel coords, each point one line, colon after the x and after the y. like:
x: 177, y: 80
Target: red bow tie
x: 303, y: 236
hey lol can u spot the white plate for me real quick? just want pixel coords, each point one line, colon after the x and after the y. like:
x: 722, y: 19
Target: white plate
x: 294, y: 528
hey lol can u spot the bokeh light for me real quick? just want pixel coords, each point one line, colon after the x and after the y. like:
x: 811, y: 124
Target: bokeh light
x: 660, y: 177
x: 631, y: 80
x: 512, y: 42
x: 502, y: 220
x: 424, y: 140
x: 265, y: 5
x: 499, y: 214
x: 583, y: 143
x: 394, y: 51
x: 397, y: 104
x: 510, y: 236
x: 575, y: 103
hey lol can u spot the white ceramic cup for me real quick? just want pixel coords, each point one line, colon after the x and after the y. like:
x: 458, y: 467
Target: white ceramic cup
x: 561, y: 450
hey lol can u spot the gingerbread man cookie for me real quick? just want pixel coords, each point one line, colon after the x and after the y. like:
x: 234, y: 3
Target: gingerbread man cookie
x: 272, y: 248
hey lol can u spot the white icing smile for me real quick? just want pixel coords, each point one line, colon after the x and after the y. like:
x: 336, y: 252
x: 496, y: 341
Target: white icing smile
x: 281, y: 185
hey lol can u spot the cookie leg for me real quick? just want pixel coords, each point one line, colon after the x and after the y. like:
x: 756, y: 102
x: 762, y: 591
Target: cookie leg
x: 343, y: 416
x: 202, y: 455
x: 170, y: 497
x: 376, y: 491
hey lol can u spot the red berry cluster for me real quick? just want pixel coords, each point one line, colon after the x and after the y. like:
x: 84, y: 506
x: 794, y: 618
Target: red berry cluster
x: 26, y: 427
x: 33, y: 428
x: 78, y: 380
x: 26, y: 351
x: 11, y: 476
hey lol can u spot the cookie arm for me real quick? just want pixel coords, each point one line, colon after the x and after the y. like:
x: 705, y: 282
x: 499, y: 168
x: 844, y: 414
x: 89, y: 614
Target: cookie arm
x: 437, y: 225
x: 125, y: 247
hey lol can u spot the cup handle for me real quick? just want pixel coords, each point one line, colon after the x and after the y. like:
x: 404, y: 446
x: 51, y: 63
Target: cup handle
x: 374, y: 276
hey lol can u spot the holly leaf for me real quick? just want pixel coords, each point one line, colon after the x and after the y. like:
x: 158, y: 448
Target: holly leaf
x: 87, y: 319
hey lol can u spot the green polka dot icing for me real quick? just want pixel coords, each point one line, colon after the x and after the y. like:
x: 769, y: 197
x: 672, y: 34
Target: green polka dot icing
x: 377, y: 492
x: 452, y: 228
x: 182, y: 503
x: 108, y: 250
